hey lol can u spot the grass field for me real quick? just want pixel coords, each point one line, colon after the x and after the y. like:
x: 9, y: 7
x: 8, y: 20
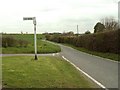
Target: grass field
x: 111, y: 56
x: 47, y: 72
x: 42, y: 46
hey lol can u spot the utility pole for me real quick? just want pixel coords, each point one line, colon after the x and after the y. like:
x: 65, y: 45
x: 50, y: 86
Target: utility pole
x: 35, y: 40
x: 119, y: 15
x: 77, y: 30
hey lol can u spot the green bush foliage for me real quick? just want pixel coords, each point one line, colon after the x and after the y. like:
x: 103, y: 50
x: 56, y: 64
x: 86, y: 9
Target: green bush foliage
x: 23, y: 43
x: 10, y: 41
x: 102, y: 42
x: 88, y: 32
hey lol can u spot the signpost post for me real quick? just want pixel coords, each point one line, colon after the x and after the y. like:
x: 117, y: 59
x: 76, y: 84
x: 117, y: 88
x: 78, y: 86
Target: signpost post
x: 35, y: 40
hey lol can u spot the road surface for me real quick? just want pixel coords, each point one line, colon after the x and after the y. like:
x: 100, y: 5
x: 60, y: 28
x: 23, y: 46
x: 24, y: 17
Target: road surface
x: 104, y: 71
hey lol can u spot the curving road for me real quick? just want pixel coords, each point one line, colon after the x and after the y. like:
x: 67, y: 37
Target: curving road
x: 104, y: 71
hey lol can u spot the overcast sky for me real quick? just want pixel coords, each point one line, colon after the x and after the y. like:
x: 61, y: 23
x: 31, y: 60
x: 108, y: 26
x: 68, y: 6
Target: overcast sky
x: 54, y: 15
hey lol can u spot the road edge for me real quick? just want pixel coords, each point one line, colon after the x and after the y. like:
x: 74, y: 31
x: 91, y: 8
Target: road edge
x: 85, y: 52
x: 93, y: 55
x: 98, y: 83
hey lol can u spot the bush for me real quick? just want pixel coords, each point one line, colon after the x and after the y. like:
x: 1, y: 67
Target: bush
x: 0, y: 40
x: 10, y: 41
x: 23, y: 43
x: 87, y: 32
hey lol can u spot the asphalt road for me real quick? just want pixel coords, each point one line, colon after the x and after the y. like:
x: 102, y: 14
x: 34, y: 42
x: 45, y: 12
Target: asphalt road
x: 102, y: 70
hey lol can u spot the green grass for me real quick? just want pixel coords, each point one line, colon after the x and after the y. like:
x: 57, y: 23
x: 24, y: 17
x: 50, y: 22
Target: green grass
x: 42, y: 46
x: 111, y: 56
x: 28, y: 37
x: 0, y: 72
x: 47, y: 72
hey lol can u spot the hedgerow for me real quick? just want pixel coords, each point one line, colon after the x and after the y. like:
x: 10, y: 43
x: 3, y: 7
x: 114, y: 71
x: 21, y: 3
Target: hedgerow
x: 10, y: 41
x: 101, y: 42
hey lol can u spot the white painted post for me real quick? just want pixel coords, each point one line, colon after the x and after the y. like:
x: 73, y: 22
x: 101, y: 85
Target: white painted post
x: 35, y: 38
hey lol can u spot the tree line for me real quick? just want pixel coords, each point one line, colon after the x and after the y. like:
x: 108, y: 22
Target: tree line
x: 106, y: 24
x: 104, y: 39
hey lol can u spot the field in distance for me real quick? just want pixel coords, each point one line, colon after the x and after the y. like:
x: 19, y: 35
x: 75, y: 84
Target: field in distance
x: 42, y: 46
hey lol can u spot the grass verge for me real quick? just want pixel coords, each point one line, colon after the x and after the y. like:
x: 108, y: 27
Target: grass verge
x: 42, y: 46
x: 47, y: 72
x: 114, y: 57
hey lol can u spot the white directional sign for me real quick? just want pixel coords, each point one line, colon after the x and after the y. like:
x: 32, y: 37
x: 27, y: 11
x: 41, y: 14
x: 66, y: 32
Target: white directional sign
x: 28, y: 18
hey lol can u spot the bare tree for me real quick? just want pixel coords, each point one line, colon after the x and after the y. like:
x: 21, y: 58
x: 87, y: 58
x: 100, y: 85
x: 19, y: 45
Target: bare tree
x: 110, y: 23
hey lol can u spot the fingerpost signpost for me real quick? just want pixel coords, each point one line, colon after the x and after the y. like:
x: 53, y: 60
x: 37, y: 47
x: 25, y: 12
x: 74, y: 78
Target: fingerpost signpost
x: 35, y: 40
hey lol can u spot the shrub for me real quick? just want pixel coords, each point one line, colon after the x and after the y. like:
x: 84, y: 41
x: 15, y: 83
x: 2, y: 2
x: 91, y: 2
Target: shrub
x: 0, y: 40
x: 87, y: 32
x: 23, y: 43
x: 10, y: 41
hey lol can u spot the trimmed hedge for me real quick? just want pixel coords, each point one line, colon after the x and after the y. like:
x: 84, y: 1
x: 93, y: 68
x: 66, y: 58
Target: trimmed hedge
x: 101, y: 42
x: 10, y: 41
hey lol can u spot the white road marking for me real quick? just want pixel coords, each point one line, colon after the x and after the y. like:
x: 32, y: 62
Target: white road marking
x: 57, y: 53
x: 98, y: 83
x: 53, y: 54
